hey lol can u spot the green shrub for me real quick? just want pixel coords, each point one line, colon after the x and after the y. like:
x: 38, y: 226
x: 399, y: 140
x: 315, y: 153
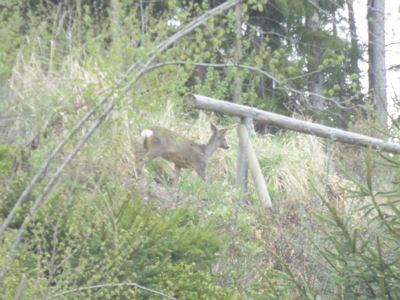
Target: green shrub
x: 74, y: 242
x: 362, y: 250
x: 12, y: 183
x: 357, y: 246
x: 7, y: 160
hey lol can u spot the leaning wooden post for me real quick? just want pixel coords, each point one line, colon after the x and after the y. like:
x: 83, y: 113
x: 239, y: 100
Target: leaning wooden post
x: 254, y: 167
x: 242, y: 164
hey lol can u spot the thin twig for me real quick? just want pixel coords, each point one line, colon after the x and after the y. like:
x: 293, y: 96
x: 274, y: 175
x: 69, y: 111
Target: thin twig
x: 77, y: 290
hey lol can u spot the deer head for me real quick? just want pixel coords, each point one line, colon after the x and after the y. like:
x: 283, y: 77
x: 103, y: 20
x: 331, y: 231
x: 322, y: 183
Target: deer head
x: 219, y: 136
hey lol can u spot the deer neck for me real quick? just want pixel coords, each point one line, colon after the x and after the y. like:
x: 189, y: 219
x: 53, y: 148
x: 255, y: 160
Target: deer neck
x: 210, y: 147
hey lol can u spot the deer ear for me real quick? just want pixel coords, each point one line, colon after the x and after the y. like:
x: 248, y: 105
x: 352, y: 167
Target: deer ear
x: 223, y: 131
x: 213, y: 128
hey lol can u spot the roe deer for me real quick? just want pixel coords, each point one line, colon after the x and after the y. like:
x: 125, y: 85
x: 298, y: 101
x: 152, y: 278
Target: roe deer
x: 161, y: 142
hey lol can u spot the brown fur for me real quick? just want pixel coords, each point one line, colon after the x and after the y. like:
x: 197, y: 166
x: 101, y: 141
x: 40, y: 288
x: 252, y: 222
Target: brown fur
x: 161, y: 142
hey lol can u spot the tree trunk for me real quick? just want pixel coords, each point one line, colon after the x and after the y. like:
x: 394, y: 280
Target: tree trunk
x: 376, y: 54
x: 314, y: 59
x: 355, y: 51
x: 142, y: 24
x: 237, y: 87
x: 115, y: 18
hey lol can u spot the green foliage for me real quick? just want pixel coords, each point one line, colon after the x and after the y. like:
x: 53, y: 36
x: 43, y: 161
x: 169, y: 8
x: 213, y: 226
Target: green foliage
x: 363, y: 255
x: 356, y: 247
x: 13, y: 180
x: 11, y: 190
x: 190, y: 284
x: 11, y: 20
x: 7, y: 161
x: 74, y: 242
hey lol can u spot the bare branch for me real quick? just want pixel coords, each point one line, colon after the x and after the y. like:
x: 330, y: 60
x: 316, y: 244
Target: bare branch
x: 392, y: 44
x: 18, y: 293
x: 317, y: 7
x: 104, y: 285
x: 284, y: 87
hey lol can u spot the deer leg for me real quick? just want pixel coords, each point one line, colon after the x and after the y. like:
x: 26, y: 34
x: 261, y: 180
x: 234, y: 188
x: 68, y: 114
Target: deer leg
x: 139, y: 158
x: 201, y: 171
x: 177, y: 174
x: 139, y: 154
x: 143, y: 156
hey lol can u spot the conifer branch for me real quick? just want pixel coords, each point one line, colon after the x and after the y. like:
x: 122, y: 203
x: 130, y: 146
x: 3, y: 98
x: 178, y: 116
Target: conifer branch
x: 105, y: 285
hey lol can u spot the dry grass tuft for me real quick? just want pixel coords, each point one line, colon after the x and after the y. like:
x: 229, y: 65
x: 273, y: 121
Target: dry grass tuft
x: 290, y: 162
x: 47, y: 95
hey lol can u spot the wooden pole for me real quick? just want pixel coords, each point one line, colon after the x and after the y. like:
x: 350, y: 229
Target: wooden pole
x: 242, y: 164
x: 244, y: 111
x: 254, y: 167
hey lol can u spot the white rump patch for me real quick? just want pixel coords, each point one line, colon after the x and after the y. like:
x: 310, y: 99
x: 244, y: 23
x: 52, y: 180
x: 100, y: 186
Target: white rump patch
x: 146, y: 133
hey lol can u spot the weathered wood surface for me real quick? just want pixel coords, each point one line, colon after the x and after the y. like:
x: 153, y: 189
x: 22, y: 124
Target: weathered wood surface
x: 254, y: 167
x: 242, y: 164
x: 244, y: 111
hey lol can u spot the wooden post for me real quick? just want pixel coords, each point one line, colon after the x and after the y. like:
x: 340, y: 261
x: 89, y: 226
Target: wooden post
x: 266, y: 117
x: 242, y: 164
x: 254, y: 167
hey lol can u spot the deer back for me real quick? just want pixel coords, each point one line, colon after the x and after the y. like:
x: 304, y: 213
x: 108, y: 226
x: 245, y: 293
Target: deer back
x: 177, y: 149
